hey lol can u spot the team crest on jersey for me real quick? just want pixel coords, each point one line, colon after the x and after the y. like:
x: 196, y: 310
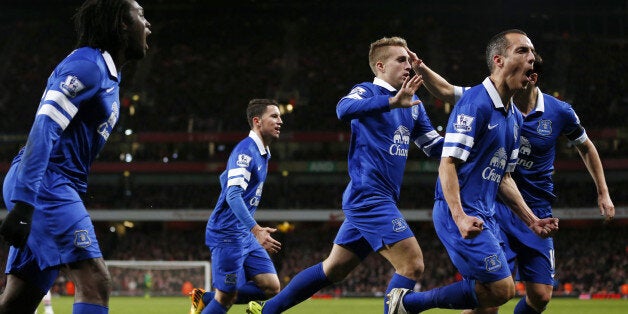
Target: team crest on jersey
x: 357, y: 93
x: 81, y: 238
x: 545, y: 127
x: 492, y: 263
x: 243, y: 160
x: 399, y: 225
x: 71, y: 86
x: 463, y: 123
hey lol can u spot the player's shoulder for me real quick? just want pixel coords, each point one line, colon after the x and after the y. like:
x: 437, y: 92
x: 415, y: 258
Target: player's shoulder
x: 83, y: 62
x: 362, y: 90
x: 554, y: 104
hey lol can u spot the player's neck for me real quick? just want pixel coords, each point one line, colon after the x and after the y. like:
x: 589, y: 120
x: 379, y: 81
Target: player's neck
x: 526, y: 99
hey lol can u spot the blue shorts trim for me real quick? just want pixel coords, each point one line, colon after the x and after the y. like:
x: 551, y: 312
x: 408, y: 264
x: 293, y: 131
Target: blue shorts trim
x: 481, y: 258
x: 368, y: 229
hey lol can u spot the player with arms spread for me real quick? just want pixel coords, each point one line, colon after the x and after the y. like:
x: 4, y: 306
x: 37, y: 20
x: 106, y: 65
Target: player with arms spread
x: 480, y: 152
x: 48, y: 226
x: 386, y: 117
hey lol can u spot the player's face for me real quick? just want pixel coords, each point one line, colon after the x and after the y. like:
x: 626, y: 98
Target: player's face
x: 138, y: 31
x: 396, y: 67
x: 518, y: 61
x: 270, y: 124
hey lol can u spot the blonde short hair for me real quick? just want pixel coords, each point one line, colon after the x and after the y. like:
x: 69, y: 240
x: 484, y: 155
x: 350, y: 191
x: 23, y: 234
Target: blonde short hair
x: 377, y: 51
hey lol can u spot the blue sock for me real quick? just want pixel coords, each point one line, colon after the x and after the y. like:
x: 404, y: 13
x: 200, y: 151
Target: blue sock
x: 398, y: 281
x: 214, y: 307
x: 523, y: 307
x: 302, y: 286
x: 459, y: 295
x: 208, y: 297
x: 88, y: 308
x: 247, y: 292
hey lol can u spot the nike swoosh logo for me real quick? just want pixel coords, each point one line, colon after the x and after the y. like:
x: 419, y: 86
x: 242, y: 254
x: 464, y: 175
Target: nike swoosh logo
x: 109, y: 90
x: 490, y: 127
x: 23, y: 223
x: 259, y: 168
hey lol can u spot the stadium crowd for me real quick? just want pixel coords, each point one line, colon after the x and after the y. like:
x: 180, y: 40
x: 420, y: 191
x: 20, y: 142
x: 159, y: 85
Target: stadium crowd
x: 590, y: 258
x: 192, y: 85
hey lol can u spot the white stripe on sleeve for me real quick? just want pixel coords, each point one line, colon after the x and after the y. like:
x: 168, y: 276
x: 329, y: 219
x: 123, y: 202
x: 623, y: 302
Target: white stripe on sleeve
x: 235, y: 172
x: 239, y: 181
x: 456, y: 152
x: 54, y: 114
x: 459, y: 138
x: 62, y: 101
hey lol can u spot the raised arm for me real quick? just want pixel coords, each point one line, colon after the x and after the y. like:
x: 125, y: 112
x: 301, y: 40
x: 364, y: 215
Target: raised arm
x: 592, y: 161
x: 435, y: 84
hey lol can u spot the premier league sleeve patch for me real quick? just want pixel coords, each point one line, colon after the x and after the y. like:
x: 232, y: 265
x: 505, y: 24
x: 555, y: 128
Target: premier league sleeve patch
x: 463, y: 123
x: 244, y: 160
x: 71, y: 86
x: 357, y: 93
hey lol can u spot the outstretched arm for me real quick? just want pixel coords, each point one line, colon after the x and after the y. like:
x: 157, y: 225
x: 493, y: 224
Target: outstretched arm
x: 435, y: 84
x: 510, y: 195
x: 592, y: 161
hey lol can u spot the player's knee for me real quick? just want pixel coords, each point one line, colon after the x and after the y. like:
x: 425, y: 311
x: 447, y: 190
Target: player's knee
x: 540, y: 300
x: 272, y: 290
x: 413, y: 269
x: 501, y: 292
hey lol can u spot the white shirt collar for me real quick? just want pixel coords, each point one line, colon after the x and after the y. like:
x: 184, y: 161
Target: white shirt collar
x: 260, y: 145
x: 540, y: 101
x: 110, y: 64
x: 492, y: 92
x: 378, y: 81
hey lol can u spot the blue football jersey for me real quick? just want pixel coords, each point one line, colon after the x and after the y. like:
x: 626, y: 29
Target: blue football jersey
x: 485, y: 137
x: 78, y: 110
x: 247, y: 168
x: 380, y: 141
x: 539, y: 134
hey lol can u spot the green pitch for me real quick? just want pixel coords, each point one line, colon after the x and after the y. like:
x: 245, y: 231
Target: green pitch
x: 174, y: 305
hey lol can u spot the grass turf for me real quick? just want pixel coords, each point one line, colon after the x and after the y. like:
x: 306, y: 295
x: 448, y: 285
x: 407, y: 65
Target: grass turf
x: 172, y: 305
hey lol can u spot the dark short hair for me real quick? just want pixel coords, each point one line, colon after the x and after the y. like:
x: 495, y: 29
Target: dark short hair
x: 98, y: 24
x: 498, y: 45
x: 257, y: 107
x: 538, y: 64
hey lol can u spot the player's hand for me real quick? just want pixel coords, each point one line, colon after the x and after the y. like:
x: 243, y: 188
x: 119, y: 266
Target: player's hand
x: 403, y: 98
x: 414, y: 60
x: 469, y: 226
x: 545, y: 227
x: 607, y: 209
x: 17, y: 225
x: 262, y: 234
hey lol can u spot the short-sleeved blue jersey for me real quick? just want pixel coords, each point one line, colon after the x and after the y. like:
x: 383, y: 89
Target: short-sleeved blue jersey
x: 78, y: 110
x: 247, y: 168
x: 539, y: 134
x: 380, y: 141
x: 484, y: 135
